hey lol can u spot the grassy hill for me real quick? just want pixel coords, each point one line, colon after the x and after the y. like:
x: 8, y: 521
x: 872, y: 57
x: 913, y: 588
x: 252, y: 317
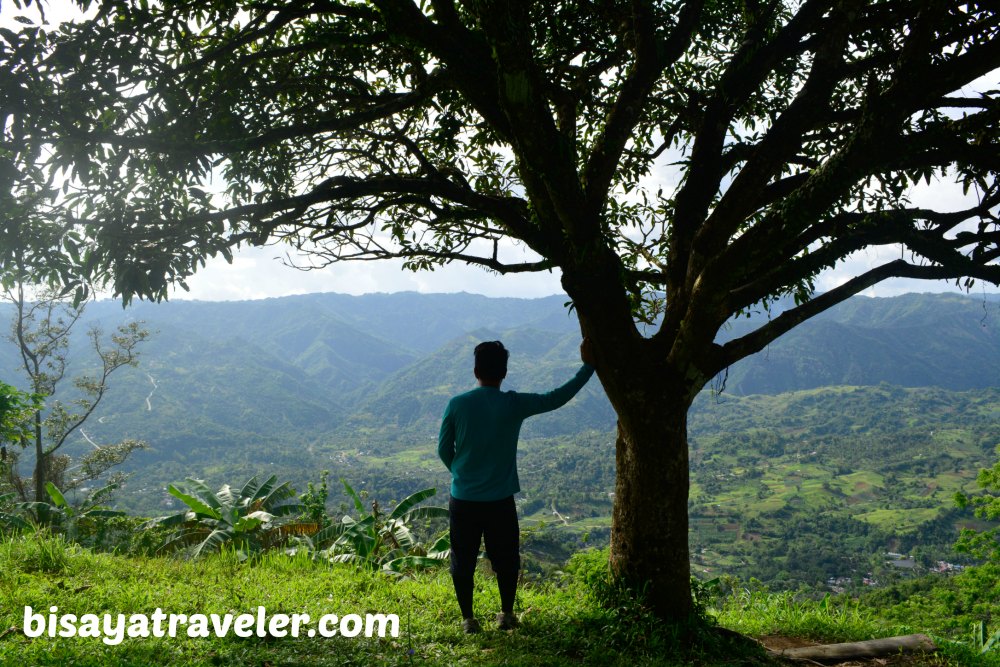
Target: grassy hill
x: 562, y: 624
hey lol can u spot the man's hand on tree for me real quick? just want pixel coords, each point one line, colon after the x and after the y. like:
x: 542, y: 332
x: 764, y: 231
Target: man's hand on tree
x: 587, y: 352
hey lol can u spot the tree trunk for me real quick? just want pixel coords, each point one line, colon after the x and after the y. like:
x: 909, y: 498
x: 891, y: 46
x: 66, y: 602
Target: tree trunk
x: 41, y: 473
x: 651, y: 388
x: 649, y: 533
x: 40, y: 461
x: 873, y: 648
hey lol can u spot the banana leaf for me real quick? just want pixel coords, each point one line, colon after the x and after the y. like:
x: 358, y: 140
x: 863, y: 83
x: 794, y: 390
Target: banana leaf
x: 56, y: 495
x: 14, y: 521
x: 250, y: 488
x: 410, y: 501
x: 358, y: 505
x: 426, y: 513
x: 405, y: 563
x: 196, y: 503
x: 204, y: 493
x: 213, y: 542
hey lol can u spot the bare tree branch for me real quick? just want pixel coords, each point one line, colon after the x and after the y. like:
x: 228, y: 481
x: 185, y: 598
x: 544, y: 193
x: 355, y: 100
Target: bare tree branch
x: 744, y: 346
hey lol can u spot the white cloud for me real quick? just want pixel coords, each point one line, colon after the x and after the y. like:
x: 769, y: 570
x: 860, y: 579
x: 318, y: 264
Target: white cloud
x: 258, y: 273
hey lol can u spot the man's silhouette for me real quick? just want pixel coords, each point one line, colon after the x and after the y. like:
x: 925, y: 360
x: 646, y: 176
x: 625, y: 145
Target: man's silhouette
x: 478, y: 444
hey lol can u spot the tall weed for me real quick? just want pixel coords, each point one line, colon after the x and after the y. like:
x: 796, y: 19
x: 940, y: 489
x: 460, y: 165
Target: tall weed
x: 39, y: 551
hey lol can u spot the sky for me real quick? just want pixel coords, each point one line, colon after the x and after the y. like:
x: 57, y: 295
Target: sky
x: 258, y: 273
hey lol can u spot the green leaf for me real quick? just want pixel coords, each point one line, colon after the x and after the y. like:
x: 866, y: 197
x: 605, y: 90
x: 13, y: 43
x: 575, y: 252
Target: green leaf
x: 34, y: 506
x: 993, y: 642
x: 358, y: 505
x: 95, y: 497
x: 283, y: 492
x: 401, y: 565
x: 57, y: 497
x: 194, y: 503
x: 206, y: 495
x: 14, y: 521
x: 410, y: 501
x: 402, y: 534
x: 290, y: 508
x: 440, y: 549
x: 348, y: 558
x: 329, y: 533
x: 248, y: 523
x: 264, y: 490
x: 213, y: 542
x: 250, y: 488
x: 427, y: 513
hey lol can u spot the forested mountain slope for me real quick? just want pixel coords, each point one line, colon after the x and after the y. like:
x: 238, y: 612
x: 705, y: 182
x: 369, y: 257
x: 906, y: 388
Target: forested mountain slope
x: 226, y: 388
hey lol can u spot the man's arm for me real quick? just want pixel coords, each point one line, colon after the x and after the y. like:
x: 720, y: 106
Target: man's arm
x: 446, y: 438
x: 533, y: 404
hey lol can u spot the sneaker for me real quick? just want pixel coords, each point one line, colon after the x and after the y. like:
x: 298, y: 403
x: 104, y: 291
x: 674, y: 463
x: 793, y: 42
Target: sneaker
x: 470, y: 626
x: 507, y: 621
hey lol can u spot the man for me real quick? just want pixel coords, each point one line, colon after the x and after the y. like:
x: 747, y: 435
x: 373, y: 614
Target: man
x: 478, y: 444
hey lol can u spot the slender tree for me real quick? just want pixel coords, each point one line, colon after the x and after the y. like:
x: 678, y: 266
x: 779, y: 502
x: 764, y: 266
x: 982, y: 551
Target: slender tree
x: 679, y: 162
x: 40, y: 329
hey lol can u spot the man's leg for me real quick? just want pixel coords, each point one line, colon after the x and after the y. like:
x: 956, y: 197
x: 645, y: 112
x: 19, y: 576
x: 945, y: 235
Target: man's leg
x: 466, y: 533
x: 503, y: 546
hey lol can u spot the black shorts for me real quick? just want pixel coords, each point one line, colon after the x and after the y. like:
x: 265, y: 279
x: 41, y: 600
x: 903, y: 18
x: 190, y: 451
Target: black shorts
x: 470, y: 521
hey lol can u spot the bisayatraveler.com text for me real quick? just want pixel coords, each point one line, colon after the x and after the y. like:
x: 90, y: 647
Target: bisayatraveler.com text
x: 114, y: 628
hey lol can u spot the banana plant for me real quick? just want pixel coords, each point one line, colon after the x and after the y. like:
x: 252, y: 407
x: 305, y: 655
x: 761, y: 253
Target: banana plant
x: 61, y: 515
x: 257, y: 517
x: 380, y: 540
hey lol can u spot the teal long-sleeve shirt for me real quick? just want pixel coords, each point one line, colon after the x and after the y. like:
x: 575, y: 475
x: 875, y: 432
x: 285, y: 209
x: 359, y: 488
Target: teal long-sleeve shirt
x: 479, y: 431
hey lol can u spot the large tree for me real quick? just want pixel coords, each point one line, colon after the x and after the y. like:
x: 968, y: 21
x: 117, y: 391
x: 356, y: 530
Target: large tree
x: 677, y: 162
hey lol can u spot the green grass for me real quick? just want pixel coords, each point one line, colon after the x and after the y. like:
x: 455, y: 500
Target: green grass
x: 757, y: 613
x: 900, y: 520
x: 561, y: 622
x: 833, y: 620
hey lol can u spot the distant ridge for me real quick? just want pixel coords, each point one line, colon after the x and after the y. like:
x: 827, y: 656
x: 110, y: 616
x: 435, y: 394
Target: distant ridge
x: 318, y: 362
x: 347, y: 349
x: 914, y: 340
x: 306, y: 380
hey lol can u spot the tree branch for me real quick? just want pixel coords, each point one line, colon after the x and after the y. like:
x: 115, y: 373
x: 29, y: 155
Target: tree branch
x: 737, y: 349
x: 393, y: 104
x: 746, y: 70
x: 782, y: 141
x: 650, y: 60
x: 772, y: 269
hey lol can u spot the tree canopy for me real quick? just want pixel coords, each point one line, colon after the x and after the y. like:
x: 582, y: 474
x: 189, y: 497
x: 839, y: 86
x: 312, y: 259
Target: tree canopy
x: 738, y: 146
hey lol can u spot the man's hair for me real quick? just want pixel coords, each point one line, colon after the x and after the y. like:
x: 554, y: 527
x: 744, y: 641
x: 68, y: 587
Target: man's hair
x: 491, y: 360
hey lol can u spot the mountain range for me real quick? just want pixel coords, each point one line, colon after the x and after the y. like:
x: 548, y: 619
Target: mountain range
x: 274, y: 377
